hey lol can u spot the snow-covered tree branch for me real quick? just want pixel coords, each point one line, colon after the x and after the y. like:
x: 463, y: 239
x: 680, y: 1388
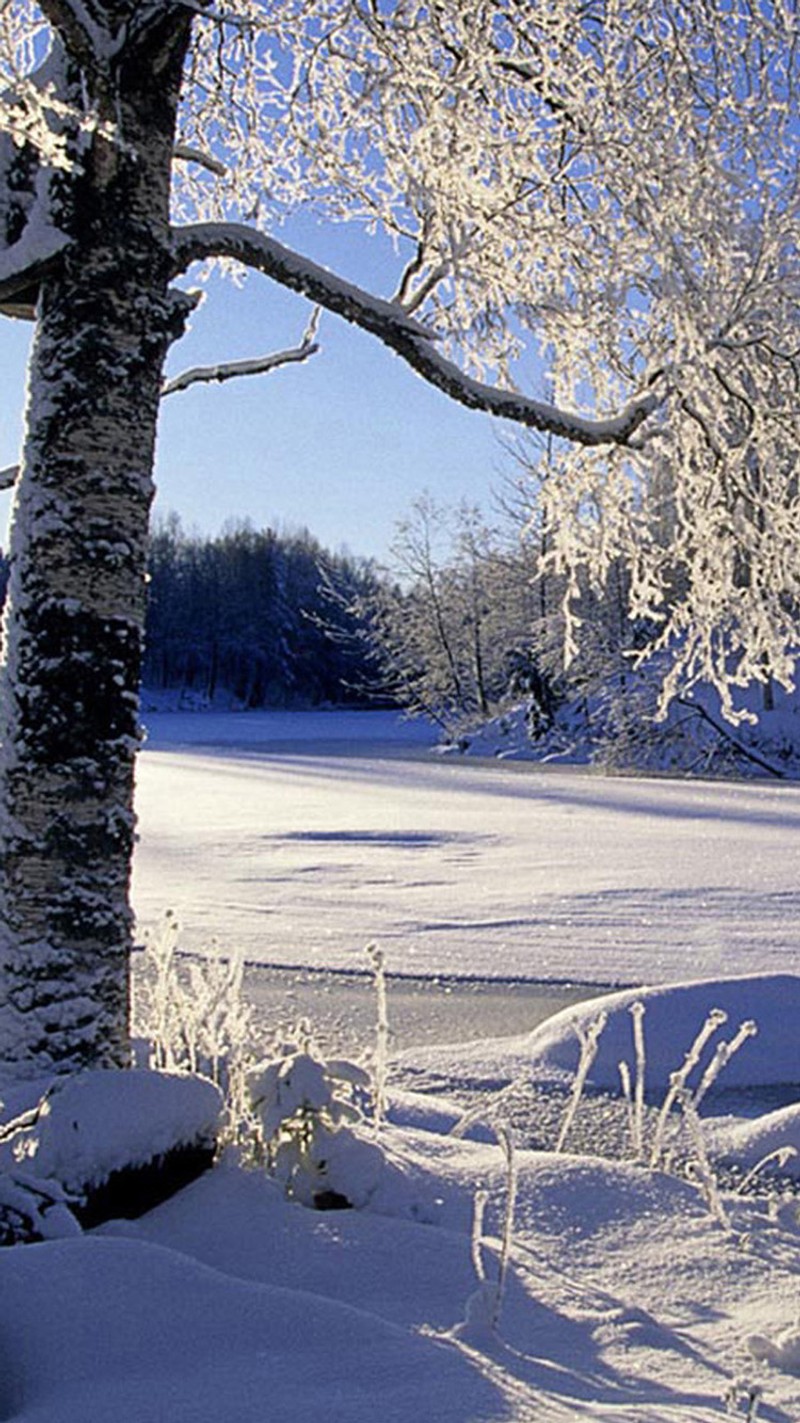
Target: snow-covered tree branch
x: 410, y: 339
x: 255, y: 366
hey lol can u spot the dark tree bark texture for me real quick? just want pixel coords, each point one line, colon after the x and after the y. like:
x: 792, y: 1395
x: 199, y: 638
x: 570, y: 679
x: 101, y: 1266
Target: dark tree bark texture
x: 69, y: 706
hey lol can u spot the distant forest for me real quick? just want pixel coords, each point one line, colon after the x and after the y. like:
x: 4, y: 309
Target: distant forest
x: 249, y: 615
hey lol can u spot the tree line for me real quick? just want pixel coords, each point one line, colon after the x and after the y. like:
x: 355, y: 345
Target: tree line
x: 468, y: 619
x: 248, y: 615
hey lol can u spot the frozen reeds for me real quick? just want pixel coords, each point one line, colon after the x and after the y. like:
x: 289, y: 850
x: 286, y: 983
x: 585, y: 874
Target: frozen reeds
x: 589, y: 1040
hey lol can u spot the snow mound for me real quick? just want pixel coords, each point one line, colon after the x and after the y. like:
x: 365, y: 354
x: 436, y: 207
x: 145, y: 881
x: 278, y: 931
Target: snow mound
x: 773, y: 1138
x: 173, y: 1339
x: 618, y: 728
x: 674, y: 1014
x: 782, y: 1352
x: 100, y: 1122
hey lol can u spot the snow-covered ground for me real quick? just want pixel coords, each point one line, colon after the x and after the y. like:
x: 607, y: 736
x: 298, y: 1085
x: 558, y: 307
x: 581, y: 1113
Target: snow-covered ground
x: 630, y: 1294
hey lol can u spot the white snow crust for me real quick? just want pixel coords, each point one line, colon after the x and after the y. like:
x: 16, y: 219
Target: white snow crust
x: 624, y: 1298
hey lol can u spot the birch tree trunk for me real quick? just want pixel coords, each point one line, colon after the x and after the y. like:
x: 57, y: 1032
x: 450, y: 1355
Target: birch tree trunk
x: 75, y: 611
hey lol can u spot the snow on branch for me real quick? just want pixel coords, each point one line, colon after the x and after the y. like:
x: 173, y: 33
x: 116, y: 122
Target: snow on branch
x: 8, y: 476
x: 411, y: 340
x: 258, y: 365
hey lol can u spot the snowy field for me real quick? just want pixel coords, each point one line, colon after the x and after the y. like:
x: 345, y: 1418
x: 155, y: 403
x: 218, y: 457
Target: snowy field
x: 477, y: 1282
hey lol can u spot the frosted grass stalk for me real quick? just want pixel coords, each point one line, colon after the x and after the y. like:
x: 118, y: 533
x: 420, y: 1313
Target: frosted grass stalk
x: 706, y: 1179
x: 161, y: 998
x: 376, y: 959
x: 625, y: 1079
x: 589, y: 1040
x: 637, y: 1011
x: 476, y: 1239
x: 781, y: 1154
x: 722, y: 1057
x: 504, y: 1138
x: 678, y: 1080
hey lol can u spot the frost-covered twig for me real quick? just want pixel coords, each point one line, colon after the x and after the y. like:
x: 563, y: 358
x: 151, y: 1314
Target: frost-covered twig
x: 256, y: 366
x: 625, y: 1080
x: 679, y: 1079
x: 637, y: 1011
x: 703, y: 1170
x: 194, y: 1014
x: 722, y: 1057
x: 401, y: 332
x: 476, y: 1236
x: 589, y: 1040
x: 490, y: 1300
x: 375, y: 956
x: 781, y: 1154
x: 504, y: 1137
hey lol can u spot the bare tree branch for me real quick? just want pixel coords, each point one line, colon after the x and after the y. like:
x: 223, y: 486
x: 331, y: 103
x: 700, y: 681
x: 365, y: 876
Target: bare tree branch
x: 8, y: 476
x: 400, y: 332
x: 258, y: 365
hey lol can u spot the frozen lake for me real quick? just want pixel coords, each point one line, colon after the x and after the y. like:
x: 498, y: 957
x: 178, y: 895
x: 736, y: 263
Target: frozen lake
x: 297, y: 839
x: 342, y: 1007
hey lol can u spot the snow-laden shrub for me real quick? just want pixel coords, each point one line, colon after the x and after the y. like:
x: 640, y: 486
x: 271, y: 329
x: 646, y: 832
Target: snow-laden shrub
x: 311, y: 1115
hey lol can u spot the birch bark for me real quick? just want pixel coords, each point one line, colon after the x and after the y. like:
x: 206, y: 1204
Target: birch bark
x: 75, y: 610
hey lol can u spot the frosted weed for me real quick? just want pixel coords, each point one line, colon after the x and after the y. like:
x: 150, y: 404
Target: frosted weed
x: 485, y: 1305
x: 300, y: 1114
x: 193, y: 1017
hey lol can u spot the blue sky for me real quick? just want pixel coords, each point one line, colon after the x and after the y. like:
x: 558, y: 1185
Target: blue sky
x: 342, y: 444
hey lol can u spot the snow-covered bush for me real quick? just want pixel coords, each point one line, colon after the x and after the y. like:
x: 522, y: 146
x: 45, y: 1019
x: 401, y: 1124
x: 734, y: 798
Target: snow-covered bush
x: 311, y: 1115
